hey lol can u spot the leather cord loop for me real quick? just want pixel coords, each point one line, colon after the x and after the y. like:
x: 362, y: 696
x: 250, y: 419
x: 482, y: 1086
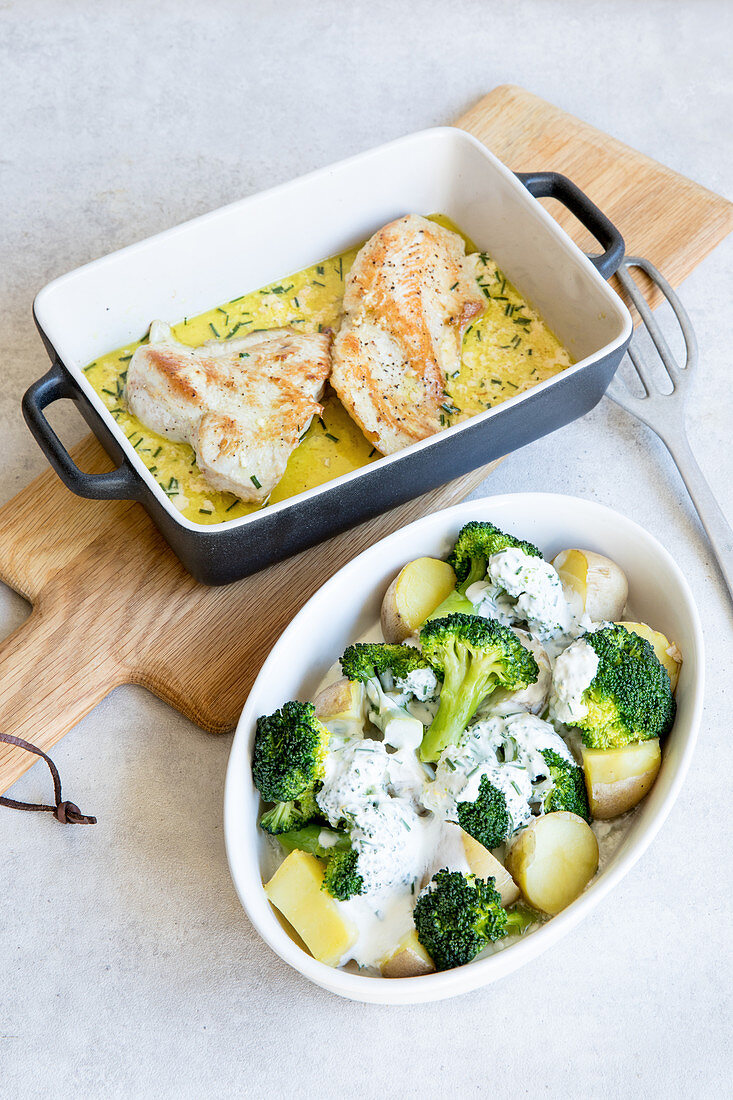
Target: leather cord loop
x: 65, y: 812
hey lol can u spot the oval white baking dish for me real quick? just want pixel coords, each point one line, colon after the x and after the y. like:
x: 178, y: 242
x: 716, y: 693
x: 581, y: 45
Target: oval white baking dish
x: 348, y: 605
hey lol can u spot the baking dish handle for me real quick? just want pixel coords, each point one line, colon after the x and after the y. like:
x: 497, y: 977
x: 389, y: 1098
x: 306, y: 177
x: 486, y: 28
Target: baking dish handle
x: 119, y: 484
x: 553, y: 185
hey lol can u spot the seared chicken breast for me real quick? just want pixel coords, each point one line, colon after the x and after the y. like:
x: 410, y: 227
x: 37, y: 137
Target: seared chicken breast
x: 409, y: 298
x: 243, y: 404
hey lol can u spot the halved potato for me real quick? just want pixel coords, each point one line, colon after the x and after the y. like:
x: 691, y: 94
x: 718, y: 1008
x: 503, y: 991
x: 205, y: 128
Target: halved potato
x: 342, y: 706
x: 617, y: 779
x: 484, y: 865
x: 415, y: 592
x: 597, y: 581
x: 667, y: 652
x: 408, y: 960
x: 553, y: 860
x: 295, y: 889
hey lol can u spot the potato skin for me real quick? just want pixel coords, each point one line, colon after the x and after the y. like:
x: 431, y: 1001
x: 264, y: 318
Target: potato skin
x: 553, y: 860
x: 342, y: 697
x: 415, y: 592
x: 599, y: 581
x: 411, y: 960
x: 618, y: 779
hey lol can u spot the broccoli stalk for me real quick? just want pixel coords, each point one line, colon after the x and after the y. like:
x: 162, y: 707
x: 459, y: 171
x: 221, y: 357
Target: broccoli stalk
x: 475, y: 656
x: 475, y: 544
x: 341, y: 878
x: 288, y: 765
x: 458, y: 915
x: 630, y: 697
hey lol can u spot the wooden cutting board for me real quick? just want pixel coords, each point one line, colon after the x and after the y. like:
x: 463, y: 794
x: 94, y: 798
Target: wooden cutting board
x: 113, y: 605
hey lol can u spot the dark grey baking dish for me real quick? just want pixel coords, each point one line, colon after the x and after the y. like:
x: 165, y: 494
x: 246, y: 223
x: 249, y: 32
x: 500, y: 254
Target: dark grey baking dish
x: 212, y: 259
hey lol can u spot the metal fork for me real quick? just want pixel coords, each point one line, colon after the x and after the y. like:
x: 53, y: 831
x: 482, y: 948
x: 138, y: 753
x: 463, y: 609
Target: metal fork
x: 665, y: 413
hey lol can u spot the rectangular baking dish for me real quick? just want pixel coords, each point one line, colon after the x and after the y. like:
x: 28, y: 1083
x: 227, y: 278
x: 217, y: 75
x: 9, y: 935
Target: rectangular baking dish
x: 226, y: 253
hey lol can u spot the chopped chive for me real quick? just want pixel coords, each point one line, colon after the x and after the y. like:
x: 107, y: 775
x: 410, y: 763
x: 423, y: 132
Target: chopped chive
x: 297, y: 303
x: 205, y: 512
x: 157, y: 452
x: 335, y: 438
x: 500, y: 298
x: 235, y: 329
x: 125, y: 358
x: 319, y: 269
x: 316, y: 283
x: 372, y: 452
x: 321, y: 422
x: 110, y: 392
x: 341, y: 269
x: 239, y: 299
x: 232, y: 505
x: 257, y: 484
x: 91, y: 365
x: 244, y: 355
x: 454, y: 286
x: 216, y: 334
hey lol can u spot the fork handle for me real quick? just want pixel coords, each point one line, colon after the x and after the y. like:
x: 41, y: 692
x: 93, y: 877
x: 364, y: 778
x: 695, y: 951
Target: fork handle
x: 716, y: 525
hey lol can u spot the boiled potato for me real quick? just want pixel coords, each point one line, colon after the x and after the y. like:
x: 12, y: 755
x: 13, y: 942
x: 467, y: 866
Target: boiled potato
x: 667, y: 652
x: 484, y: 865
x: 342, y: 706
x: 408, y: 960
x: 553, y: 860
x: 598, y: 582
x: 416, y: 591
x: 617, y: 779
x: 295, y: 889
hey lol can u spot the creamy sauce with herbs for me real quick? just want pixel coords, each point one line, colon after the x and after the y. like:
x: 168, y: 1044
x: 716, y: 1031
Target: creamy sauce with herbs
x: 506, y: 351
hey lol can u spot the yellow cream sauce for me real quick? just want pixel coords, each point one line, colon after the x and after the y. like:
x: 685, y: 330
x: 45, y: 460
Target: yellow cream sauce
x: 507, y: 350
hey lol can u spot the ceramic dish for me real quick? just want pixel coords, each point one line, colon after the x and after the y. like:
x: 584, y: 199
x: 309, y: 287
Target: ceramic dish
x: 349, y: 604
x: 212, y: 259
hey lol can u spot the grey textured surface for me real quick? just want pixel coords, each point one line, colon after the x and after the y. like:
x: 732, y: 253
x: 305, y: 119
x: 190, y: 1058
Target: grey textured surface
x: 128, y: 967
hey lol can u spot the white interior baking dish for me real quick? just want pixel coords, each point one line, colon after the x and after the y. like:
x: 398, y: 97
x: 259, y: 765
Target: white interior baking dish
x: 226, y: 253
x: 348, y: 605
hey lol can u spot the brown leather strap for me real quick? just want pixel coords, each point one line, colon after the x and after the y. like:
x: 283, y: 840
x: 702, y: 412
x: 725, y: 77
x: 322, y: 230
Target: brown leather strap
x: 65, y: 812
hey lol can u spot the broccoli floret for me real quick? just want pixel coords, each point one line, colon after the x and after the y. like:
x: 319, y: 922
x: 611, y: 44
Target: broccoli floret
x: 486, y: 819
x: 367, y: 661
x: 383, y: 667
x: 475, y: 656
x: 286, y: 816
x: 568, y: 786
x: 630, y: 697
x: 459, y: 915
x: 475, y: 544
x: 288, y: 764
x: 341, y: 878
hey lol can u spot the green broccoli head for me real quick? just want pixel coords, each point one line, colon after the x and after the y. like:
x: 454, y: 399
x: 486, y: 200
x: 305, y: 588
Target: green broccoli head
x: 342, y: 879
x: 369, y: 660
x: 459, y: 915
x: 486, y: 819
x: 286, y: 816
x: 568, y: 786
x: 630, y: 697
x: 475, y: 544
x: 474, y: 656
x: 289, y: 752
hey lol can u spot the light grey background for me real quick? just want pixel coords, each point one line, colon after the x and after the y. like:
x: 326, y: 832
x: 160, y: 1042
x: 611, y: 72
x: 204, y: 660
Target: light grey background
x: 127, y: 966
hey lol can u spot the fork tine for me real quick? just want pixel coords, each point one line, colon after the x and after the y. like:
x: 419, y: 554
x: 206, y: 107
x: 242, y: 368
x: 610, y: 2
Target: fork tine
x: 678, y: 309
x: 651, y: 325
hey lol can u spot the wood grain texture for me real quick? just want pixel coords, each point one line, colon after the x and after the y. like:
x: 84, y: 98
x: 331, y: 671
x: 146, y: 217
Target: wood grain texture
x: 112, y: 604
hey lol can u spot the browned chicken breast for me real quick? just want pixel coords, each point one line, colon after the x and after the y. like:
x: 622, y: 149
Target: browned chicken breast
x: 243, y: 405
x: 409, y: 298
